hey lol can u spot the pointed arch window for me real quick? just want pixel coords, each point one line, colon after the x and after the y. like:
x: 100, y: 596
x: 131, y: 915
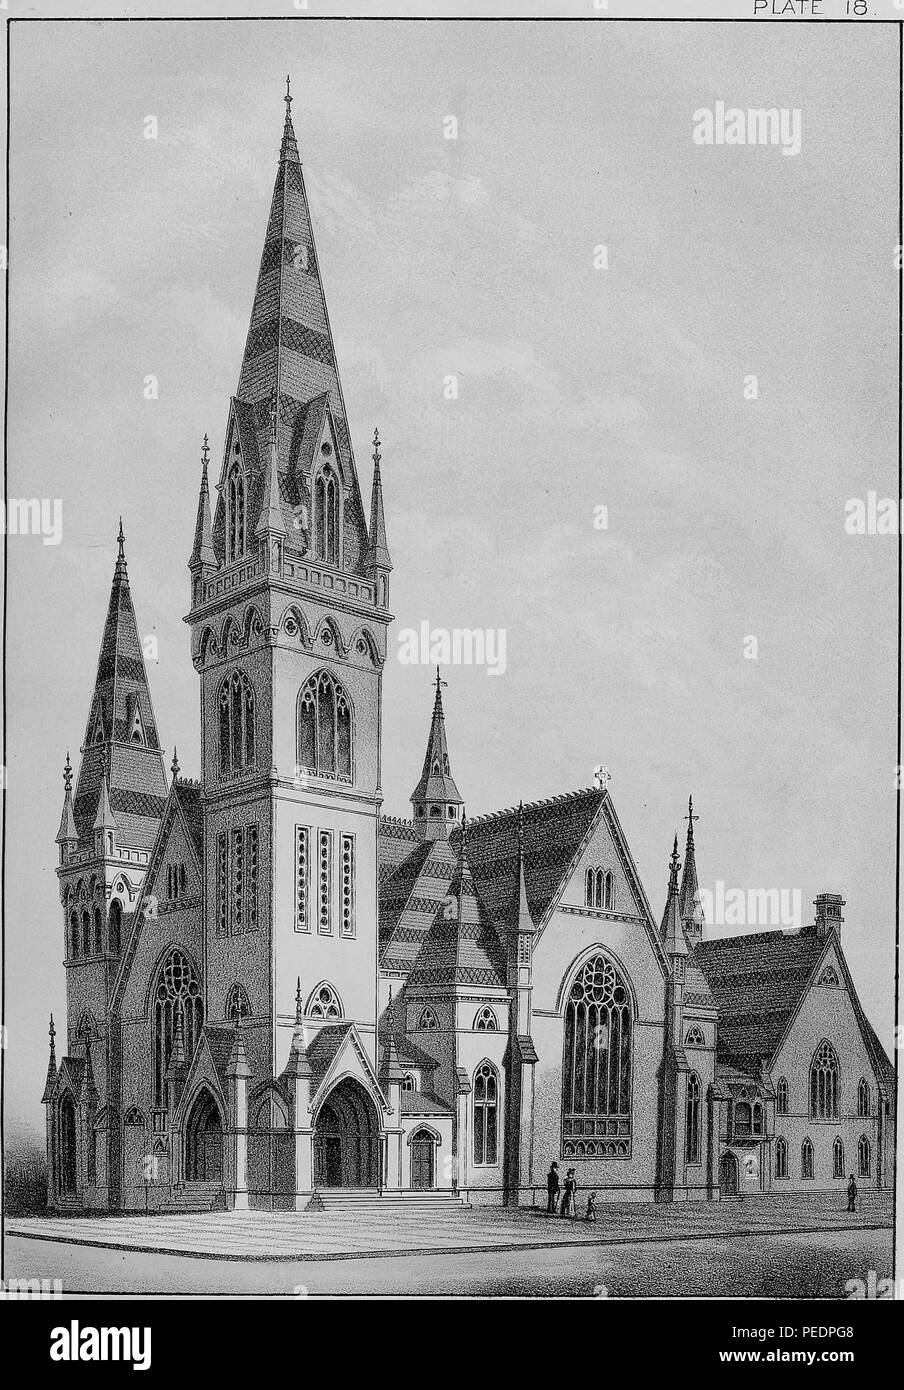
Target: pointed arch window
x: 73, y: 934
x: 692, y: 1120
x: 864, y: 1157
x: 235, y: 541
x: 694, y: 1037
x: 806, y: 1160
x: 838, y: 1158
x: 178, y: 995
x: 114, y: 926
x: 781, y: 1097
x: 86, y: 933
x: 324, y: 740
x: 98, y: 932
x: 486, y: 1103
x: 326, y: 516
x: 236, y: 720
x: 596, y: 1102
x: 408, y: 1082
x: 324, y: 1003
x: 485, y: 1021
x: 863, y: 1097
x: 824, y: 1083
x: 781, y: 1158
x: 238, y: 1006
x: 428, y: 1020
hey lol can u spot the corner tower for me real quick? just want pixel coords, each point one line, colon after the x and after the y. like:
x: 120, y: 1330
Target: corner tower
x: 289, y: 616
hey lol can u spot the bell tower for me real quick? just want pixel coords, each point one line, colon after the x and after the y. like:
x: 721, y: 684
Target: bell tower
x: 289, y: 617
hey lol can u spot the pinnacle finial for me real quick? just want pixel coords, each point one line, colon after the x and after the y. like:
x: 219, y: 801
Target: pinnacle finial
x: 67, y: 774
x: 205, y: 454
x: 175, y: 767
x: 288, y: 97
x: 520, y: 827
x: 52, y: 1033
x: 690, y: 818
x: 376, y: 454
x: 121, y: 540
x: 438, y: 683
x: 298, y: 1005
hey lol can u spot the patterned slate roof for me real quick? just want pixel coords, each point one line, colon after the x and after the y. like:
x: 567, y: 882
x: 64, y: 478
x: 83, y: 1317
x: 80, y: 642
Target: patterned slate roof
x: 323, y: 1048
x: 758, y: 982
x: 134, y: 771
x: 424, y: 1103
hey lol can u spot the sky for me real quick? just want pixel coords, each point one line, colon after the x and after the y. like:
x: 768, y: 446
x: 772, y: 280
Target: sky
x: 578, y: 388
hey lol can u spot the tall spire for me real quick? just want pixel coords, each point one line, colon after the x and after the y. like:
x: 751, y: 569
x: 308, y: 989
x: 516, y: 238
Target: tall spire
x: 51, y: 1066
x: 688, y: 900
x: 121, y: 743
x: 202, y: 552
x: 436, y: 800
x: 377, y: 549
x: 67, y: 833
x: 672, y: 930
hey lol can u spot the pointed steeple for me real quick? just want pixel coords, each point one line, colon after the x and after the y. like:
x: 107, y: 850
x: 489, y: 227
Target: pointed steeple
x: 202, y: 553
x: 691, y: 914
x: 105, y: 819
x: 298, y: 1064
x: 271, y: 517
x: 119, y: 747
x: 436, y: 800
x: 51, y: 1067
x: 672, y: 930
x: 377, y: 549
x: 67, y: 833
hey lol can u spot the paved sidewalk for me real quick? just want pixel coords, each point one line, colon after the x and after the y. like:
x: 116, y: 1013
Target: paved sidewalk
x: 258, y: 1235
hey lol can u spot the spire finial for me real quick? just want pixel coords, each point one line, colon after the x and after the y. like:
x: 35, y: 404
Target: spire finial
x: 67, y: 774
x: 121, y: 540
x: 298, y: 1004
x: 376, y: 454
x: 288, y: 97
x: 438, y: 683
x: 690, y: 818
x: 205, y: 455
x: 520, y: 828
x: 175, y: 766
x: 52, y: 1040
x: 673, y: 866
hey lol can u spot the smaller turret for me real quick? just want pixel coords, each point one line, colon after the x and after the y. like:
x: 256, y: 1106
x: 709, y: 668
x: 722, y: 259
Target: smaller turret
x: 379, y: 564
x: 436, y: 801
x: 67, y: 835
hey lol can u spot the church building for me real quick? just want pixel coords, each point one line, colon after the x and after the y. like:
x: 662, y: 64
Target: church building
x: 276, y: 994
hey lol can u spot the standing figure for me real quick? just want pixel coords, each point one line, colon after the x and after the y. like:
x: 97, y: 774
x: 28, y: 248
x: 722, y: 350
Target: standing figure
x: 552, y: 1189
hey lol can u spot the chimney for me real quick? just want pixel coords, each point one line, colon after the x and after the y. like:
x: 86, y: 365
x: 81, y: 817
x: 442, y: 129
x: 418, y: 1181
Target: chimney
x: 828, y: 914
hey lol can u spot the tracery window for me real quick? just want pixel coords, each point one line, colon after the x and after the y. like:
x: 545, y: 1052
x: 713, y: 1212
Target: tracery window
x: 824, y: 1083
x: 236, y: 715
x: 428, y: 1020
x: 692, y: 1120
x: 324, y: 1003
x: 485, y: 1022
x: 838, y: 1159
x: 238, y: 1005
x: 178, y: 994
x: 829, y: 977
x: 324, y: 728
x: 596, y: 1118
x: 408, y: 1082
x: 694, y: 1037
x: 486, y: 1099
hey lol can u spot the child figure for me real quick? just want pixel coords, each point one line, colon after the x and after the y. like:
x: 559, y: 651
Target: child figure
x: 591, y: 1208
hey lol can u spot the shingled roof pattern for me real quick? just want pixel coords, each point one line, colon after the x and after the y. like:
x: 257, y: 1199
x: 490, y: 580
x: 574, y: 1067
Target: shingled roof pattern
x: 758, y: 982
x: 188, y: 795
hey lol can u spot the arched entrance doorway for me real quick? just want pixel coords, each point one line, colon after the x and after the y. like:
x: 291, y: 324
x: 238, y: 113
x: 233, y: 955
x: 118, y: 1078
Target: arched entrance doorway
x: 346, y: 1138
x: 68, y: 1182
x: 728, y: 1175
x: 423, y: 1148
x: 204, y: 1141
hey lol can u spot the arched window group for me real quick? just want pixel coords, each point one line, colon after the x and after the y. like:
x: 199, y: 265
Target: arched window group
x: 781, y: 1157
x: 692, y: 1120
x: 596, y: 1115
x: 235, y: 539
x: 236, y: 711
x: 89, y: 930
x: 781, y: 1097
x: 600, y: 889
x: 486, y: 1106
x: 408, y: 1082
x: 177, y: 997
x: 824, y: 1083
x: 324, y: 727
x: 747, y: 1119
x: 326, y: 516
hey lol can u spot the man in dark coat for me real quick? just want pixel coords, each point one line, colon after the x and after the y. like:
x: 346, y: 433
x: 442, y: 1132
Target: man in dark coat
x: 552, y: 1189
x: 852, y: 1194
